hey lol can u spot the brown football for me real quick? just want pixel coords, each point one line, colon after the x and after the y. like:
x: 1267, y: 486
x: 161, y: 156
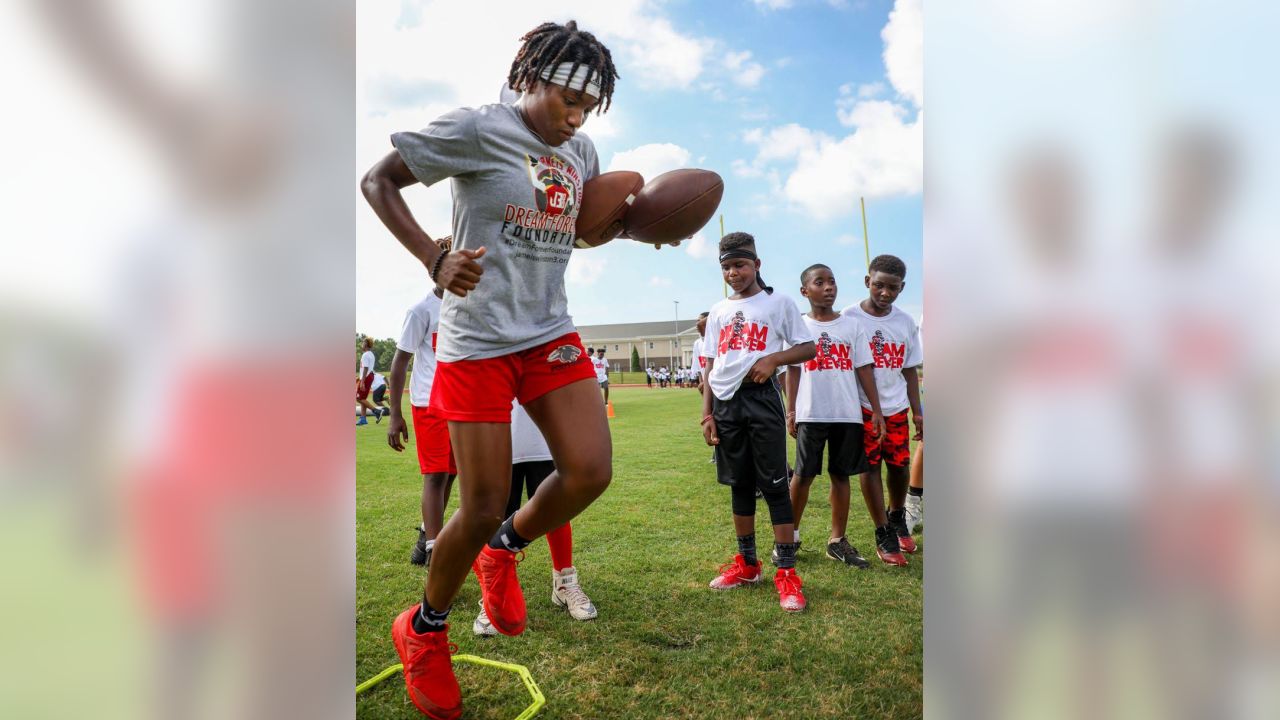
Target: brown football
x: 674, y: 206
x: 605, y: 200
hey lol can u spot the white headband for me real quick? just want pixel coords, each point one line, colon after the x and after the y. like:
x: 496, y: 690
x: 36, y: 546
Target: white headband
x: 580, y: 81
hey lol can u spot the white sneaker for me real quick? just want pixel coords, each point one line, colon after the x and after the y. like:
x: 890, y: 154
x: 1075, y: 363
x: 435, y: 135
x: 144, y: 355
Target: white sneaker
x: 566, y: 593
x: 915, y: 511
x: 482, y: 626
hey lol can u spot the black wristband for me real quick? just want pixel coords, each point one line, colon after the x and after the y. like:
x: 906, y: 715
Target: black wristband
x: 435, y: 266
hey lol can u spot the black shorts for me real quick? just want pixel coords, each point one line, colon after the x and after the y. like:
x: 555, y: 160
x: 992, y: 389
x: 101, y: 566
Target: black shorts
x: 752, y: 428
x: 845, y: 452
x: 379, y: 395
x: 527, y: 476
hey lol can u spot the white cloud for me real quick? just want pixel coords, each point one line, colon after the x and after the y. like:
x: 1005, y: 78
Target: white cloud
x: 882, y: 156
x: 656, y: 281
x: 743, y: 69
x: 651, y: 160
x: 659, y: 55
x: 698, y: 246
x: 903, y: 39
x: 585, y: 268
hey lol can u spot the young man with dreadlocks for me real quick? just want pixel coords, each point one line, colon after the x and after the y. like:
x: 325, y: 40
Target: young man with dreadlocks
x: 516, y: 173
x: 742, y: 414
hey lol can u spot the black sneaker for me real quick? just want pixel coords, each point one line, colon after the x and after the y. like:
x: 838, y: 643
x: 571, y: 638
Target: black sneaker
x: 377, y: 414
x: 887, y: 547
x: 421, y: 554
x: 774, y: 555
x: 844, y: 552
x: 898, y: 522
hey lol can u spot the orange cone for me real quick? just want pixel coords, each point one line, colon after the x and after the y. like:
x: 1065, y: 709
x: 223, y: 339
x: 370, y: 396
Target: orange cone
x: 609, y: 406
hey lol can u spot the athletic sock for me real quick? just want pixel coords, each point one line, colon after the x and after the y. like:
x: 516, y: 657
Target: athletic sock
x: 917, y: 491
x: 797, y: 536
x: 747, y: 548
x: 507, y: 538
x: 428, y: 620
x: 560, y: 541
x: 786, y: 555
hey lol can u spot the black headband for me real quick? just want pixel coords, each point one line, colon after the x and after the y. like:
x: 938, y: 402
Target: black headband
x: 738, y: 253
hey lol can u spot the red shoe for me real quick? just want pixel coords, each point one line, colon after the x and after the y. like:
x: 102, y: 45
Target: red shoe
x: 898, y: 524
x: 907, y: 543
x: 736, y: 573
x: 887, y: 547
x: 428, y: 671
x: 500, y: 589
x: 790, y: 596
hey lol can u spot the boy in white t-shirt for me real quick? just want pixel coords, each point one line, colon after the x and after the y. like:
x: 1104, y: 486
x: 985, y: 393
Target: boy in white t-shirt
x: 364, y: 383
x: 823, y: 409
x: 430, y: 432
x: 602, y: 372
x: 742, y: 415
x: 894, y: 340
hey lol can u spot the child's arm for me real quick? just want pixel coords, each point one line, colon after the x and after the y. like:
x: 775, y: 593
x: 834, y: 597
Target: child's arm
x: 794, y: 355
x: 867, y: 379
x: 397, y: 430
x: 709, y: 422
x: 793, y: 386
x: 913, y: 396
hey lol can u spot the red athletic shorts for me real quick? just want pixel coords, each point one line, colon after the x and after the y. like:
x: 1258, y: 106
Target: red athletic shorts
x: 895, y: 446
x: 431, y: 433
x: 362, y: 387
x: 482, y: 390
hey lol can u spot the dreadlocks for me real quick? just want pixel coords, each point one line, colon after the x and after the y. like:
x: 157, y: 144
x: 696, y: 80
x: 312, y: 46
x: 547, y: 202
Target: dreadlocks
x: 550, y: 44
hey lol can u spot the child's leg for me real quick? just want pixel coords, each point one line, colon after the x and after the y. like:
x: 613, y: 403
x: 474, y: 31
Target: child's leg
x: 839, y: 506
x: 799, y: 496
x: 435, y: 496
x: 744, y: 520
x: 810, y: 439
x: 897, y: 486
x: 873, y: 495
x: 917, y: 470
x: 560, y: 540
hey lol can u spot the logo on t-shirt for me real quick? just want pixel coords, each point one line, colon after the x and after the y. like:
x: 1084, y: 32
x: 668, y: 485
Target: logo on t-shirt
x: 742, y: 335
x: 554, y: 190
x: 887, y: 354
x: 831, y: 355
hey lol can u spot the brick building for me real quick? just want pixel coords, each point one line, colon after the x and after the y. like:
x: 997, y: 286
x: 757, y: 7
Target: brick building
x: 668, y: 343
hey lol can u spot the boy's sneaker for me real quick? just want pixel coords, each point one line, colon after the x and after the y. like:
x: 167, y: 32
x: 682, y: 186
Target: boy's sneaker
x: 566, y: 593
x: 790, y: 596
x: 361, y: 421
x: 428, y: 671
x: 915, y: 512
x: 773, y: 555
x: 736, y: 573
x: 482, y: 627
x: 844, y: 552
x: 887, y: 547
x: 377, y: 414
x: 500, y: 589
x: 421, y: 554
x: 898, y: 523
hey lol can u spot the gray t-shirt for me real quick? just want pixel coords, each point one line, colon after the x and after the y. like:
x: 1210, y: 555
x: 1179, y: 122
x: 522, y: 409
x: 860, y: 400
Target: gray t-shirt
x: 517, y: 197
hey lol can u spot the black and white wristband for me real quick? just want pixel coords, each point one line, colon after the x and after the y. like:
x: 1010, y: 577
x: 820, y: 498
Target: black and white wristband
x: 435, y: 266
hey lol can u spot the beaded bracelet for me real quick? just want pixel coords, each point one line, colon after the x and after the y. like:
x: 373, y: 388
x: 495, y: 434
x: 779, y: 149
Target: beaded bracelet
x: 435, y: 266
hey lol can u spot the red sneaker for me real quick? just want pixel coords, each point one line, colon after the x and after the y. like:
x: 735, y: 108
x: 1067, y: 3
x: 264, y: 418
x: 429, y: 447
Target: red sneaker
x: 428, y: 671
x: 887, y: 547
x: 898, y: 524
x: 736, y: 573
x: 500, y: 589
x: 790, y: 596
x: 907, y: 543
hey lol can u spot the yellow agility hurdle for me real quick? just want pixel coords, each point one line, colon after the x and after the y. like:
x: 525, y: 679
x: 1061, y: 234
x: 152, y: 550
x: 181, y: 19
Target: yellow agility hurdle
x: 525, y: 676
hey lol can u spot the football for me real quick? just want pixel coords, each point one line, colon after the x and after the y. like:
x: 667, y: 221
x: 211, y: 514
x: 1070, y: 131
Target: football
x: 605, y: 200
x: 674, y: 206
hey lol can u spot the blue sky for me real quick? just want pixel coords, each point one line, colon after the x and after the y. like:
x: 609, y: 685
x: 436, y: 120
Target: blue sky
x: 800, y: 106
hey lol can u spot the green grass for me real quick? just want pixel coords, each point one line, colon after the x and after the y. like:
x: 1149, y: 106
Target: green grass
x: 665, y: 645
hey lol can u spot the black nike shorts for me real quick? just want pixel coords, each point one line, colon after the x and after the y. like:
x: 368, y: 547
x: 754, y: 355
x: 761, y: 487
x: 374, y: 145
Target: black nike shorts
x: 752, y: 428
x: 843, y: 441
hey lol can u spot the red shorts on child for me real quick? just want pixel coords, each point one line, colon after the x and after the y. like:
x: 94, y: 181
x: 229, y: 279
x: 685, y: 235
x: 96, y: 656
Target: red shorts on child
x: 482, y: 390
x: 895, y: 446
x: 431, y: 433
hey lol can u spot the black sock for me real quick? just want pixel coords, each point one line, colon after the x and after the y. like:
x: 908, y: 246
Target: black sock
x: 507, y: 538
x: 786, y: 554
x: 428, y: 620
x: 917, y: 491
x: 747, y: 548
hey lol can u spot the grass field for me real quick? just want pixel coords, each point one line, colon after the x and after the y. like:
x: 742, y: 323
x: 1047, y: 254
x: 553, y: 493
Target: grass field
x: 665, y: 645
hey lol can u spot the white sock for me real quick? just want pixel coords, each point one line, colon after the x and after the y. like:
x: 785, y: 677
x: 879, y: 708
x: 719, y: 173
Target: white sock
x: 797, y: 536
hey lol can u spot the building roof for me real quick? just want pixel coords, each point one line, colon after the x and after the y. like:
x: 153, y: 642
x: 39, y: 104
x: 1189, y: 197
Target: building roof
x: 631, y: 331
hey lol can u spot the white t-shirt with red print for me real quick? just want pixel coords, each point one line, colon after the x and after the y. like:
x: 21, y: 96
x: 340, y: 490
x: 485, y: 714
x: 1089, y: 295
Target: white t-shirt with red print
x: 527, y: 443
x: 418, y: 336
x: 740, y: 332
x: 894, y: 341
x: 698, y: 345
x: 829, y: 390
